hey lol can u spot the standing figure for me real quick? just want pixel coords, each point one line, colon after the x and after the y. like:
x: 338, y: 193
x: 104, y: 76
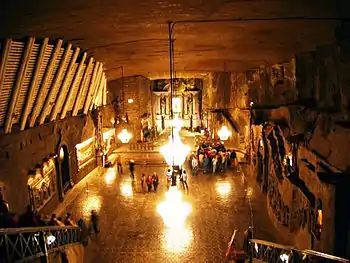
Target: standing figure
x: 168, y: 178
x: 183, y: 179
x: 149, y: 183
x: 143, y: 182
x: 132, y: 169
x: 119, y: 164
x: 94, y: 219
x: 155, y: 180
x: 194, y: 165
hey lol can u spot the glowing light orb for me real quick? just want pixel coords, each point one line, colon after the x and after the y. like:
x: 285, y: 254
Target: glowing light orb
x: 124, y: 136
x: 174, y: 210
x: 175, y: 152
x: 224, y: 133
x: 177, y: 123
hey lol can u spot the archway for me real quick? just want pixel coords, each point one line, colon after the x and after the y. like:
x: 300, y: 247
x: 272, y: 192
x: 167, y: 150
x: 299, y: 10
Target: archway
x: 64, y: 168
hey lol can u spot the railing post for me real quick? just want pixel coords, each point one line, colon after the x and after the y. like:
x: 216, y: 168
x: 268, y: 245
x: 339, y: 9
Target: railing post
x: 45, y: 258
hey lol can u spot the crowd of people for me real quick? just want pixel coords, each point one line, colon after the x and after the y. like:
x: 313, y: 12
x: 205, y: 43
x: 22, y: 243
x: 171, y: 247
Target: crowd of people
x: 32, y: 218
x: 212, y: 158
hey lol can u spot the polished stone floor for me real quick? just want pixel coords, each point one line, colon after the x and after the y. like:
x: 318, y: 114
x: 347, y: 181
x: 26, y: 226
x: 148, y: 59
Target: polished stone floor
x: 133, y: 231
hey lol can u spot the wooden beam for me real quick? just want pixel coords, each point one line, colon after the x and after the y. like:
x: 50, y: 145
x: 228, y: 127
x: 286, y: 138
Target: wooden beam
x: 62, y: 94
x: 18, y: 84
x: 96, y: 88
x: 30, y: 93
x: 54, y: 85
x: 41, y: 93
x: 104, y: 92
x: 71, y: 90
x: 91, y: 87
x: 79, y: 96
x: 4, y: 57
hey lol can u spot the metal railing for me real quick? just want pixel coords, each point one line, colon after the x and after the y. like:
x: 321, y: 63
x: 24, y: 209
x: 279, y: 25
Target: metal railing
x: 142, y: 147
x: 25, y: 244
x: 271, y: 252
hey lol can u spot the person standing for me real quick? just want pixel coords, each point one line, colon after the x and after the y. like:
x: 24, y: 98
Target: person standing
x: 132, y: 169
x: 155, y: 180
x: 194, y: 165
x: 119, y: 164
x: 183, y: 179
x: 168, y: 178
x: 94, y: 219
x: 149, y: 183
x: 143, y: 182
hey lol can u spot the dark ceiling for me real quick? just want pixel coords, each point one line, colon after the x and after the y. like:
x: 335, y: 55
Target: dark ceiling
x: 133, y: 34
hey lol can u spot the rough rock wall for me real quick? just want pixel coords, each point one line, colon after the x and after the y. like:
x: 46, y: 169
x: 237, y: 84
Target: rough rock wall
x: 226, y: 90
x: 293, y: 198
x: 138, y: 89
x: 21, y: 152
x: 307, y: 99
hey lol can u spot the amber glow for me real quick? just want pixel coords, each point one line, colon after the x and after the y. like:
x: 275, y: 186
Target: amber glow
x: 124, y: 136
x: 126, y: 188
x: 175, y: 152
x: 110, y: 176
x: 79, y: 146
x: 223, y: 188
x: 92, y: 202
x: 174, y: 210
x: 177, y: 240
x: 224, y: 133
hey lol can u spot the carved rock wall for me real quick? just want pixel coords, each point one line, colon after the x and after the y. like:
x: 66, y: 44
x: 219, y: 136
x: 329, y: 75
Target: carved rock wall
x: 138, y: 89
x: 20, y: 152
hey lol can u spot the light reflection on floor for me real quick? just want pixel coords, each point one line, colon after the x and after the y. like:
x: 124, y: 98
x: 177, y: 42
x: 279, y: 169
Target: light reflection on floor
x: 126, y: 188
x: 110, y: 176
x: 223, y: 188
x: 177, y: 240
x: 92, y: 202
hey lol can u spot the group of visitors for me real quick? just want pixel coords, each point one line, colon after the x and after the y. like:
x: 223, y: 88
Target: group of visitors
x: 212, y: 158
x: 32, y: 218
x: 178, y: 175
x: 149, y: 181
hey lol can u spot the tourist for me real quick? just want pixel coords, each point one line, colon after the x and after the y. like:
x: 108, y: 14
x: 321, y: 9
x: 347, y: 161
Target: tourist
x: 215, y: 162
x: 94, y: 221
x: 183, y: 180
x: 143, y: 182
x: 149, y: 183
x: 194, y: 165
x: 155, y: 180
x: 168, y: 177
x: 119, y: 164
x: 132, y: 169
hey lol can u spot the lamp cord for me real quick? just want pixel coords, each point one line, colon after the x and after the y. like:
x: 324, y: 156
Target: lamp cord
x: 251, y: 214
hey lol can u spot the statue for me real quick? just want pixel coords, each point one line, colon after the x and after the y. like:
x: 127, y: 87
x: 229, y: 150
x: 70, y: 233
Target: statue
x: 162, y: 105
x: 189, y: 105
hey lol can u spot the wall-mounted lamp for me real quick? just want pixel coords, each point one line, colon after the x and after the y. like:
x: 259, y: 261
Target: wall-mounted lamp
x: 124, y: 136
x: 130, y: 100
x: 224, y: 133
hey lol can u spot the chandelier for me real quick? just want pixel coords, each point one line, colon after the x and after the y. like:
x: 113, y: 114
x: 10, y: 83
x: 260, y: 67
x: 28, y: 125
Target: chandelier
x: 224, y: 133
x: 124, y: 136
x: 175, y: 152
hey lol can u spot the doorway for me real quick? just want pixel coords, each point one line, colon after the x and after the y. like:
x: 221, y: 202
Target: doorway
x: 64, y: 168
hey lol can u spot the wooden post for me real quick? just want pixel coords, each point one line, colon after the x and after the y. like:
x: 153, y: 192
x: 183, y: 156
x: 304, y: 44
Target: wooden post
x: 62, y: 94
x: 41, y: 94
x: 55, y: 83
x: 30, y: 93
x: 18, y: 84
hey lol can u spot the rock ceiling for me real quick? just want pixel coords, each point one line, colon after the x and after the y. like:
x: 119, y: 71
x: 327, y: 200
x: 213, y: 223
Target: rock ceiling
x: 133, y: 33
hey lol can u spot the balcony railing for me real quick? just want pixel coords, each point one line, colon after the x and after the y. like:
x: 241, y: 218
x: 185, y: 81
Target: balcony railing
x: 24, y: 244
x: 271, y: 252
